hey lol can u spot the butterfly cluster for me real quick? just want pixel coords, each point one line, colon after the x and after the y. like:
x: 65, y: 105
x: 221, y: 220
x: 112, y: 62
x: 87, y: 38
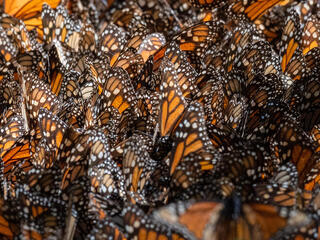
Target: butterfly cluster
x: 159, y: 119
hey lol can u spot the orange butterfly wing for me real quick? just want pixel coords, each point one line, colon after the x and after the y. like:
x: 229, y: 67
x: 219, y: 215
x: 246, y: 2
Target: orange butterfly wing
x: 172, y: 102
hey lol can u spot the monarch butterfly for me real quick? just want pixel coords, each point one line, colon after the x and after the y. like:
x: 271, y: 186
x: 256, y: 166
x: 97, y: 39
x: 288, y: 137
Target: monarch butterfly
x: 46, y: 180
x: 124, y: 14
x: 119, y: 90
x: 28, y: 11
x: 292, y: 144
x: 307, y: 9
x: 189, y: 136
x: 148, y: 105
x: 139, y: 30
x: 57, y: 69
x: 57, y: 25
x: 280, y: 189
x: 11, y: 133
x: 40, y: 217
x: 137, y: 165
x: 242, y: 36
x: 253, y: 9
x: 70, y: 89
x: 303, y: 99
x: 52, y: 130
x: 259, y: 57
x: 17, y: 159
x: 88, y: 75
x: 146, y: 227
x: 70, y: 92
x: 32, y: 61
x: 290, y: 50
x: 228, y: 219
x: 157, y: 17
x: 38, y: 95
x: 221, y: 138
x: 214, y: 58
x: 263, y: 91
x: 86, y: 162
x: 106, y: 117
x: 234, y: 83
x: 9, y: 221
x: 207, y: 34
x: 172, y: 104
x: 104, y: 173
x: 88, y: 39
x: 194, y: 39
x: 7, y: 48
x: 213, y: 96
x: 185, y: 72
x: 42, y: 156
x: 271, y: 24
x: 310, y: 35
x: 311, y: 60
x: 131, y: 62
x: 246, y: 163
x: 75, y: 184
x: 101, y: 65
x: 150, y: 45
x: 193, y: 168
x: 235, y: 112
x: 112, y: 42
x: 106, y: 229
x: 14, y: 147
x: 311, y: 180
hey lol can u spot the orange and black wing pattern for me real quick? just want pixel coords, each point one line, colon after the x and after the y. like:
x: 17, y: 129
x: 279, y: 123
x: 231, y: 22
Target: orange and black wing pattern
x: 11, y: 133
x: 190, y: 135
x: 194, y: 40
x: 57, y: 70
x: 310, y: 35
x: 199, y: 37
x: 172, y: 104
x: 131, y: 62
x: 159, y: 119
x: 250, y: 220
x: 28, y: 11
x: 253, y: 9
x: 119, y: 90
x: 14, y: 144
x: 147, y: 227
x: 52, y: 130
x: 185, y: 72
x: 38, y: 96
x: 291, y: 144
x: 290, y: 53
x: 281, y: 188
x: 150, y: 45
x: 193, y: 168
x: 137, y: 166
x: 7, y: 49
x: 112, y: 42
x: 242, y: 36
